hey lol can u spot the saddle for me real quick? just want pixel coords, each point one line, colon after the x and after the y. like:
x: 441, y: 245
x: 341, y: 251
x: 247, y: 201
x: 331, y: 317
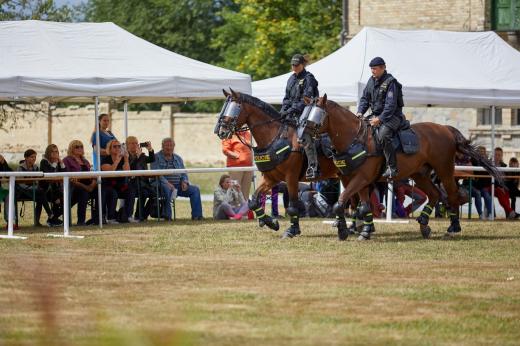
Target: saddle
x: 405, y: 141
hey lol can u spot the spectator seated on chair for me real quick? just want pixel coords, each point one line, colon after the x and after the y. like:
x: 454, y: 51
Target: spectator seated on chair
x: 82, y: 189
x: 228, y: 200
x: 30, y: 191
x: 176, y: 184
x: 501, y: 192
x: 116, y: 187
x: 51, y: 163
x: 139, y: 186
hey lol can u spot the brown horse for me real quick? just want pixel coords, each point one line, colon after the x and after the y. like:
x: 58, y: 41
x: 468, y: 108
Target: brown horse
x: 267, y: 127
x: 438, y: 145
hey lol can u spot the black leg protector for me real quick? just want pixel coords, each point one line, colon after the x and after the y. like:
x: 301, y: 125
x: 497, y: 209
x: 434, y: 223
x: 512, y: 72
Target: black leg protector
x: 423, y: 220
x: 455, y: 224
x: 356, y: 215
x: 263, y: 219
x: 294, y: 229
x: 368, y: 226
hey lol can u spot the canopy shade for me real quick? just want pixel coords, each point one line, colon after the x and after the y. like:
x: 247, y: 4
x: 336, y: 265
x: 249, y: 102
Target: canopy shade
x: 439, y: 68
x: 77, y: 61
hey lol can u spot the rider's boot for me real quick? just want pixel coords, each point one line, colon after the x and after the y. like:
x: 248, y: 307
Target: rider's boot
x: 313, y: 171
x: 391, y: 160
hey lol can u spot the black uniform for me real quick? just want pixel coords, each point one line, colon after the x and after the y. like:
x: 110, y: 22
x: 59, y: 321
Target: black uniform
x: 384, y: 97
x: 298, y: 86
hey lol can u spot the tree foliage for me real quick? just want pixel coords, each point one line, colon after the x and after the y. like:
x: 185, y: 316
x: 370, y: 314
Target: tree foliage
x: 38, y: 10
x: 261, y: 37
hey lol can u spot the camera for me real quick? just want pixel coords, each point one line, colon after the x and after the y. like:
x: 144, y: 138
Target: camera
x: 234, y: 182
x: 143, y: 144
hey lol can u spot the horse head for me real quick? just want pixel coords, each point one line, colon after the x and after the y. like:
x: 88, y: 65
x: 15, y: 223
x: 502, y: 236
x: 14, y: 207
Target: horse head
x: 231, y: 117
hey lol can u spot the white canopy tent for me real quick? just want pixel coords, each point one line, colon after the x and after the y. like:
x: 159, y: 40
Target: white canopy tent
x: 439, y: 68
x: 88, y: 62
x: 79, y: 61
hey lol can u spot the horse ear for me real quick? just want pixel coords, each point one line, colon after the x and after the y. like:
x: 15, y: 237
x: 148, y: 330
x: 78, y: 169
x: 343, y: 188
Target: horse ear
x: 307, y: 100
x: 234, y: 93
x: 225, y: 92
x: 324, y: 100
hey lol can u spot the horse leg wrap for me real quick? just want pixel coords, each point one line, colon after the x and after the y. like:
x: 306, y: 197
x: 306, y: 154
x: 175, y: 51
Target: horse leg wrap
x: 455, y: 223
x: 294, y: 229
x: 339, y: 209
x: 368, y: 227
x: 263, y: 219
x: 424, y: 218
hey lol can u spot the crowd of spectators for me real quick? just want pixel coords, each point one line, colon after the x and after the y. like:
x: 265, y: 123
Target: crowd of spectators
x: 115, y: 156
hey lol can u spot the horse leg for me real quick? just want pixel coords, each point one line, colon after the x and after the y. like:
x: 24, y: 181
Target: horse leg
x: 453, y: 199
x: 341, y: 222
x: 357, y: 184
x: 365, y: 213
x: 426, y: 185
x: 292, y: 210
x: 255, y: 204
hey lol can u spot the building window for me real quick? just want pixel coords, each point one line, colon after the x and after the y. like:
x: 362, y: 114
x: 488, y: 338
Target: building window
x: 506, y: 15
x: 515, y: 117
x: 484, y: 116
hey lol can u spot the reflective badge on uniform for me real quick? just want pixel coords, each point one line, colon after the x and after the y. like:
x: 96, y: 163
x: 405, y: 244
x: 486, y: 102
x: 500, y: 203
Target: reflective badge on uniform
x: 300, y: 81
x: 390, y: 94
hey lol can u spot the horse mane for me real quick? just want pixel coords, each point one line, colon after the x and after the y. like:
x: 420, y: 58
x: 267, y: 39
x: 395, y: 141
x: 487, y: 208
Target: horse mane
x: 264, y: 106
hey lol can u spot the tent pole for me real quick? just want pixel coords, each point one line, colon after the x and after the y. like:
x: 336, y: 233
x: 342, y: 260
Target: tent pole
x: 492, y: 215
x: 98, y: 157
x: 125, y: 107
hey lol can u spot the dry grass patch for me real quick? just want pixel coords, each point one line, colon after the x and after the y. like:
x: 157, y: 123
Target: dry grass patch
x: 233, y: 283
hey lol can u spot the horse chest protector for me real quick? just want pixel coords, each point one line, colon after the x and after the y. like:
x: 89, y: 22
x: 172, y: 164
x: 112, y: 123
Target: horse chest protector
x: 268, y: 158
x: 352, y: 159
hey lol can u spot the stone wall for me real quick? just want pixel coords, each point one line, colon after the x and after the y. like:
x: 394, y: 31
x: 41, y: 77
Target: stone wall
x: 193, y: 133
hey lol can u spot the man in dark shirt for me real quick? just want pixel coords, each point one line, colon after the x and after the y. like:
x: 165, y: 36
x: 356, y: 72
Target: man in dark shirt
x: 383, y: 95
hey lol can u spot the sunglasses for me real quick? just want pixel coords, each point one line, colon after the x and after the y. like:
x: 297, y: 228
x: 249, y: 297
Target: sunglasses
x: 78, y: 147
x: 116, y: 146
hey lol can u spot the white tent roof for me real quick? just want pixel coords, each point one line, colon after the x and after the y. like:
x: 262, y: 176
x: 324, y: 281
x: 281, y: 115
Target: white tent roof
x: 441, y: 68
x: 77, y: 61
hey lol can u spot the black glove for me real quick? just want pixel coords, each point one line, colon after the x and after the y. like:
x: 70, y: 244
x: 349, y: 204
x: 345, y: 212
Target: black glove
x: 283, y: 114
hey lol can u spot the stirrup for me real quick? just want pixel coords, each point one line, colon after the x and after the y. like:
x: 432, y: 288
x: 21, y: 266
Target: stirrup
x: 312, y: 172
x: 390, y: 173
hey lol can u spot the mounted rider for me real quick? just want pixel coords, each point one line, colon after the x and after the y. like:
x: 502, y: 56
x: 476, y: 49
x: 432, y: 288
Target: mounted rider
x: 384, y: 96
x: 301, y: 83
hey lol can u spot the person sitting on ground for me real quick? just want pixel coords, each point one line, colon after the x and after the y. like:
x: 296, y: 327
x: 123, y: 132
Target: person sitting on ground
x: 112, y: 188
x: 51, y: 163
x: 228, y: 200
x: 176, y: 184
x: 105, y: 136
x: 82, y: 189
x: 139, y: 186
x: 4, y: 194
x: 28, y: 190
x: 512, y: 183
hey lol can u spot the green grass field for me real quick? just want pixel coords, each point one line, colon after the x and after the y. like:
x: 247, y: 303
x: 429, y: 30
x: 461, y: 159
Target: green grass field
x: 231, y: 283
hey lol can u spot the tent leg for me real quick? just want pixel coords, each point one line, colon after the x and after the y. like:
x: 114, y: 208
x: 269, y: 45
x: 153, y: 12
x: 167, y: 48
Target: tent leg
x: 10, y: 219
x: 492, y: 211
x: 125, y: 107
x: 98, y: 156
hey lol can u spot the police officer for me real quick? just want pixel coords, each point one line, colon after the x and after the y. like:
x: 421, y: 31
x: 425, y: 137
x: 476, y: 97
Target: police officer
x: 301, y: 83
x: 383, y: 95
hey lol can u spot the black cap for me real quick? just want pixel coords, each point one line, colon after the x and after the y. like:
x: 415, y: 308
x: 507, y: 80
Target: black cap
x: 377, y: 61
x: 297, y: 59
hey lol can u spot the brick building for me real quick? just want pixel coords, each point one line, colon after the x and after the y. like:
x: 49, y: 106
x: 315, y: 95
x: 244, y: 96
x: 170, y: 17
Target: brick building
x: 502, y: 16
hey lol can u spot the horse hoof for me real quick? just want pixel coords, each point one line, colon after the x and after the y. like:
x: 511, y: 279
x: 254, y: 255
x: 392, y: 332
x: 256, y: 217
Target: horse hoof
x: 291, y: 232
x: 343, y: 234
x: 426, y: 231
x: 363, y: 236
x: 261, y: 223
x: 276, y: 225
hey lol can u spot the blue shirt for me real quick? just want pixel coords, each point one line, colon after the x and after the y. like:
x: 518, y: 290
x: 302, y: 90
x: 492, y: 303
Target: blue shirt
x: 104, y: 138
x: 161, y: 162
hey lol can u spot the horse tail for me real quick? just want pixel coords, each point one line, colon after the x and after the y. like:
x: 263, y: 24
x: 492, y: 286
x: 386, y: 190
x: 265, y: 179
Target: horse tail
x: 464, y: 146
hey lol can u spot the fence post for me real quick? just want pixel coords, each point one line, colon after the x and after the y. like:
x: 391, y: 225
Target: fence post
x: 10, y: 219
x: 66, y: 213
